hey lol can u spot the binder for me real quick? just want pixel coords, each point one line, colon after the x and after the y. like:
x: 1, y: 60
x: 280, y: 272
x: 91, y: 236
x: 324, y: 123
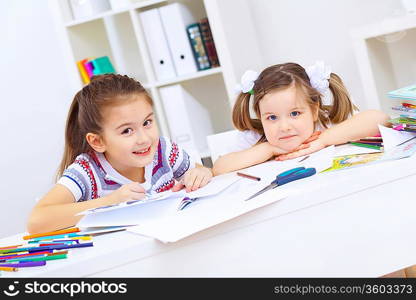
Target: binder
x: 175, y: 18
x: 157, y: 44
x: 189, y: 122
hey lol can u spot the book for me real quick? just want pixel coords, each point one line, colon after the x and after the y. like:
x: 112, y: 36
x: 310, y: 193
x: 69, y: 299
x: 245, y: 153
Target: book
x: 408, y: 93
x: 102, y: 65
x: 209, y: 42
x: 198, y: 48
x: 89, y: 67
x: 83, y: 72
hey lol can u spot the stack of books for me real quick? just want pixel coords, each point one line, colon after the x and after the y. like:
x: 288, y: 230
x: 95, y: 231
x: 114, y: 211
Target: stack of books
x: 203, y: 47
x: 89, y: 67
x: 406, y: 121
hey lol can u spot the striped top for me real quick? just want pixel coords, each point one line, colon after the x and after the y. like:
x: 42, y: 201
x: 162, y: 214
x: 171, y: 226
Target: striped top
x: 91, y: 176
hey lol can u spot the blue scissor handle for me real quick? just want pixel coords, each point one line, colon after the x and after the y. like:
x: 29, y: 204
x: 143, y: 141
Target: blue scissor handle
x: 294, y: 174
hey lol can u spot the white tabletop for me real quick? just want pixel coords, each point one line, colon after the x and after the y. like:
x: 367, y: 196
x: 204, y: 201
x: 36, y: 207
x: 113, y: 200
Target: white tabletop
x: 362, y: 227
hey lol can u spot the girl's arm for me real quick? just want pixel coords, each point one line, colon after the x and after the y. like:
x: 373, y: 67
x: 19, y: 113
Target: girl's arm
x: 245, y: 158
x: 361, y: 125
x: 58, y: 208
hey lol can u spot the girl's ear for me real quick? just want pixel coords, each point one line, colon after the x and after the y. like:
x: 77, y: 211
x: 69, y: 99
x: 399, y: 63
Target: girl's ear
x: 315, y: 112
x: 95, y: 141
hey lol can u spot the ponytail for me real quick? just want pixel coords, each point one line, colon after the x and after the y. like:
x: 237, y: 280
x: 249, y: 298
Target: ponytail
x: 342, y: 107
x: 75, y: 142
x: 241, y: 115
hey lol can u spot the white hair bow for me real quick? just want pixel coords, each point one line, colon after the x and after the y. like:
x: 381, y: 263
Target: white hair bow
x: 319, y: 75
x: 247, y: 82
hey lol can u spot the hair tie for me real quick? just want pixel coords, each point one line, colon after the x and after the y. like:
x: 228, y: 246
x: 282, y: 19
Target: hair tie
x: 247, y: 82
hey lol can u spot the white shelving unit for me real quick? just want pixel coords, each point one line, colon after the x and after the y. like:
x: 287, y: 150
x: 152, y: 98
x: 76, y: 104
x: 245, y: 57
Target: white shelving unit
x: 386, y: 56
x: 119, y: 35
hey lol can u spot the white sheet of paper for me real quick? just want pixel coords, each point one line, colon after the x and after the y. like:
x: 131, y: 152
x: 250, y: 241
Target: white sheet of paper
x: 205, y: 214
x: 131, y: 215
x: 391, y: 137
x: 154, y: 197
x: 138, y: 212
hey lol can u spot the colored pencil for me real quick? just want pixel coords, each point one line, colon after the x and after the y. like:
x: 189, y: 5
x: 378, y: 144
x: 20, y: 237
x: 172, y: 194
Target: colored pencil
x: 366, y: 146
x: 9, y: 269
x: 25, y: 264
x: 248, y: 176
x: 42, y: 258
x: 54, y: 237
x: 57, y: 232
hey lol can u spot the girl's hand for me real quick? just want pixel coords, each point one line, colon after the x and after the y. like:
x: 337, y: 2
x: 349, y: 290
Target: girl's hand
x: 127, y: 192
x: 311, y: 147
x: 194, y: 179
x: 275, y: 151
x: 306, y: 143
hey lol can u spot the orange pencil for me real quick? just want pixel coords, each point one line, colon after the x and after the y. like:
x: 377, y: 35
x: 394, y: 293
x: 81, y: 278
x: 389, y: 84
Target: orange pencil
x: 63, y: 231
x: 8, y: 269
x: 10, y: 247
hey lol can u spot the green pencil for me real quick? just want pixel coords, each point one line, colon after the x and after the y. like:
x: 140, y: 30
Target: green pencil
x: 52, y: 257
x: 367, y: 146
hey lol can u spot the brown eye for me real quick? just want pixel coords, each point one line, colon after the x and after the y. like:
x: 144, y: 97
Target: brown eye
x: 147, y: 123
x: 127, y: 131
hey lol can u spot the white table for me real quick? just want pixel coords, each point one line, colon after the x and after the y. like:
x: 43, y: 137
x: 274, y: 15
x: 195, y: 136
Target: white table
x: 365, y: 227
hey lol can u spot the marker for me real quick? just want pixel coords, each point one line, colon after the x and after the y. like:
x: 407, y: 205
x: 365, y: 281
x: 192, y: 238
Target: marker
x: 248, y: 176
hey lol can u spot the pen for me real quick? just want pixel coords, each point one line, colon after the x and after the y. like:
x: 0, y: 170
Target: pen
x: 248, y: 176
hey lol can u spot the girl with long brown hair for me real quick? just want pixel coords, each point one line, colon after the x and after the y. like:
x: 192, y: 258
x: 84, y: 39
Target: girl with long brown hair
x: 290, y: 114
x: 113, y: 153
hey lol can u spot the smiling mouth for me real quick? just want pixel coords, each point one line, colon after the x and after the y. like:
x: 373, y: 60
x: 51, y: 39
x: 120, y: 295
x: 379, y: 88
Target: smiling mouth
x: 142, y: 152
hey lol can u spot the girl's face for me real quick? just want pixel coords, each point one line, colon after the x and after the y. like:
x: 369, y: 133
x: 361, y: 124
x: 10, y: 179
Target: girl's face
x: 287, y: 119
x: 129, y: 134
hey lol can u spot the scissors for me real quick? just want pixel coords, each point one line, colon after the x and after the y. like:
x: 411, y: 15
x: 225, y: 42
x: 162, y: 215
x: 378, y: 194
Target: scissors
x: 286, y: 177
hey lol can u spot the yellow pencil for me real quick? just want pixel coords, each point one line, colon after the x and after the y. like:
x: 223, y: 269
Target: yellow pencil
x: 8, y: 269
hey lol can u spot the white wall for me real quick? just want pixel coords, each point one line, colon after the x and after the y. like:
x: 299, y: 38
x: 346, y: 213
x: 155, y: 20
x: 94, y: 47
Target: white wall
x: 304, y: 31
x: 35, y: 95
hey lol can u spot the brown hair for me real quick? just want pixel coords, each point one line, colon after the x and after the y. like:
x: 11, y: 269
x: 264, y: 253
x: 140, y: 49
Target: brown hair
x: 282, y: 76
x: 85, y: 116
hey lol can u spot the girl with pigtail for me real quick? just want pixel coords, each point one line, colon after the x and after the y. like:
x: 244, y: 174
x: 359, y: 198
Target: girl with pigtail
x: 295, y: 115
x: 113, y: 153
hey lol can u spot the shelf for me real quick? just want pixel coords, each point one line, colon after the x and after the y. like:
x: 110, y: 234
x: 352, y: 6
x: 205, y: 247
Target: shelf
x: 198, y: 74
x: 387, y: 26
x: 114, y: 12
